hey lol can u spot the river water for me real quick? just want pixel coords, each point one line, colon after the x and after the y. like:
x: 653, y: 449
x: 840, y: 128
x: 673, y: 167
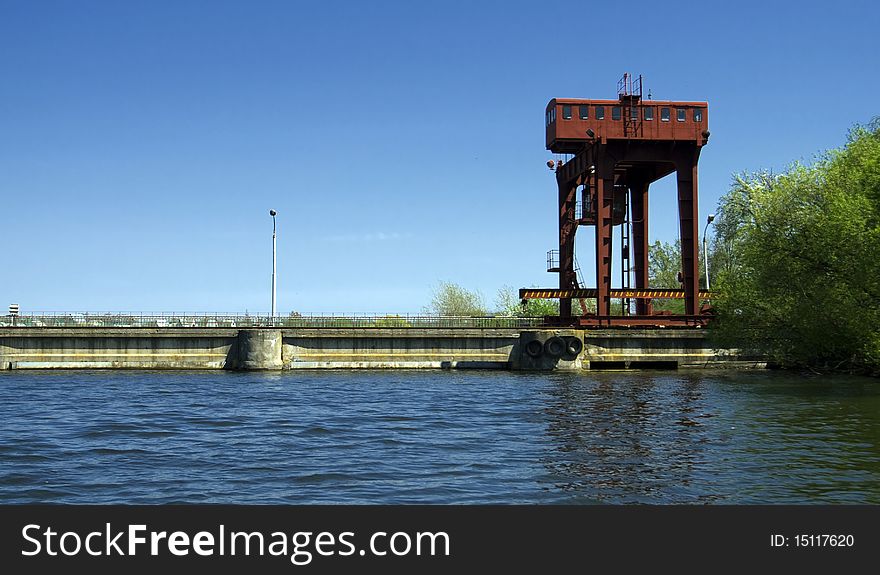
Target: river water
x: 689, y: 437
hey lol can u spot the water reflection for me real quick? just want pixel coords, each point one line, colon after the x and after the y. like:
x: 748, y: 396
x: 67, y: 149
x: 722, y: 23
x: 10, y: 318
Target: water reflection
x: 627, y: 438
x: 624, y: 437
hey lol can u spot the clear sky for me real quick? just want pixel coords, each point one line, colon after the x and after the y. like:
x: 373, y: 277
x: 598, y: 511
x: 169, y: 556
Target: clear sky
x: 402, y: 143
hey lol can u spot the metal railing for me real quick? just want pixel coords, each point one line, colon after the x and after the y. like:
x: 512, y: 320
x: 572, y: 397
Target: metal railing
x: 553, y: 260
x: 226, y: 320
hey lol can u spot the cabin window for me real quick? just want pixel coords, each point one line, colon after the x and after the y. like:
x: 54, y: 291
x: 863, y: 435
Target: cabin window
x: 698, y: 115
x: 547, y: 118
x: 552, y: 114
x: 600, y: 112
x: 566, y: 112
x: 649, y: 112
x: 664, y: 114
x: 680, y: 114
x: 584, y: 112
x: 615, y: 112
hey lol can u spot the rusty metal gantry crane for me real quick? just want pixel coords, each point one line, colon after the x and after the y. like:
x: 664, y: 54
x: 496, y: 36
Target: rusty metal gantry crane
x: 620, y: 147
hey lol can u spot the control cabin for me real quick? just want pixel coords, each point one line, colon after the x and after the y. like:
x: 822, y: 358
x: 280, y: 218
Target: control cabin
x: 567, y: 121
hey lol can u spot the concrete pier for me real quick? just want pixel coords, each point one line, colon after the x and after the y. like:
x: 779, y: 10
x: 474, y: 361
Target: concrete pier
x: 259, y: 349
x: 356, y: 348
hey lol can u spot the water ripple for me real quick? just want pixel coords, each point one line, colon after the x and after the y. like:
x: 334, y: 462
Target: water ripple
x: 437, y: 437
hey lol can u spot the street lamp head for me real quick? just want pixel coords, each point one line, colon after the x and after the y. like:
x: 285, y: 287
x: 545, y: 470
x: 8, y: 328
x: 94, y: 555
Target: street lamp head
x: 710, y: 219
x: 272, y: 213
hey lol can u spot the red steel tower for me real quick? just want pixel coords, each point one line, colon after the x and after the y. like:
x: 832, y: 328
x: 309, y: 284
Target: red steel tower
x: 619, y: 148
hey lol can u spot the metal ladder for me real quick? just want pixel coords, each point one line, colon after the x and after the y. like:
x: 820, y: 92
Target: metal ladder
x: 580, y: 284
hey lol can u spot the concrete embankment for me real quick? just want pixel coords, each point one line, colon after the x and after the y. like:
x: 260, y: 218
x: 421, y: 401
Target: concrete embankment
x: 355, y: 348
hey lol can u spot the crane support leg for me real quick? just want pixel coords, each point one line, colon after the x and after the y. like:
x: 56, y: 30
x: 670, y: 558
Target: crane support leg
x: 567, y: 229
x: 604, y: 207
x: 688, y: 219
x: 639, y: 203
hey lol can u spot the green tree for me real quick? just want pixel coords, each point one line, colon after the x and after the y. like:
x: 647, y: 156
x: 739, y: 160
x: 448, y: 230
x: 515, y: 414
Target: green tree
x: 797, y: 256
x: 451, y: 299
x: 507, y: 303
x: 664, y: 265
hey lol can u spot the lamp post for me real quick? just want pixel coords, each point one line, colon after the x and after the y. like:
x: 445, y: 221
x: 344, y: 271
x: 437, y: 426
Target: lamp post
x: 273, y: 213
x: 706, y: 249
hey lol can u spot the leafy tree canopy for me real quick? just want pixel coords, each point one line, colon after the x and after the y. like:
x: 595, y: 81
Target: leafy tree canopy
x: 451, y: 299
x: 797, y: 260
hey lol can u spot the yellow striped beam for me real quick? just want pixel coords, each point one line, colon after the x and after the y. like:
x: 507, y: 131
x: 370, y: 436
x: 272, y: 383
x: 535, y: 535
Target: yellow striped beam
x: 549, y: 293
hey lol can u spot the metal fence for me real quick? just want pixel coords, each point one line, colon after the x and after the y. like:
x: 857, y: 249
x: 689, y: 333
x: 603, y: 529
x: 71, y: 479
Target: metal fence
x: 218, y: 320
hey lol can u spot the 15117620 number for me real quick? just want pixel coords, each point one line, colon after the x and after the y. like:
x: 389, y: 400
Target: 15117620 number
x: 823, y: 540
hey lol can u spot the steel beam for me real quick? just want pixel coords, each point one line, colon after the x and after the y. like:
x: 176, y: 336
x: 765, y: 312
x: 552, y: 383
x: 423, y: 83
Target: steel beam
x: 567, y: 229
x: 643, y: 321
x: 639, y: 207
x: 688, y: 221
x: 586, y: 293
x: 604, y: 226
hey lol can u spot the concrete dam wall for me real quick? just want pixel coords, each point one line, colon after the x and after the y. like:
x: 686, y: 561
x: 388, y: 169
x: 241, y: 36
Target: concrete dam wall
x: 356, y: 348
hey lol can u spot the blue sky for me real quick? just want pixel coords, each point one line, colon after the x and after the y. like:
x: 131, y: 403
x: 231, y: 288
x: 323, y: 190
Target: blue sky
x: 143, y: 143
